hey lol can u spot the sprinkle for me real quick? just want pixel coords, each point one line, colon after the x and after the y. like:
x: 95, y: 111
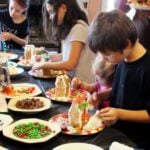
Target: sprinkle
x: 31, y: 130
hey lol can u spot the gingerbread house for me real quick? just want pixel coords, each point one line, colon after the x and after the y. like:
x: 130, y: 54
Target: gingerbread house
x: 78, y: 114
x: 62, y: 86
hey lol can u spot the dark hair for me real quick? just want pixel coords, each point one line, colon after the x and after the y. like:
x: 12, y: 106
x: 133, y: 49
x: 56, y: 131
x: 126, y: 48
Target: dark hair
x: 73, y: 14
x: 142, y: 23
x: 111, y: 31
x: 23, y: 3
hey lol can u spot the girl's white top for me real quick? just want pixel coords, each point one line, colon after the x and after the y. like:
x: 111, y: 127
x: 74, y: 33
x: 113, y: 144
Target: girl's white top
x: 79, y: 32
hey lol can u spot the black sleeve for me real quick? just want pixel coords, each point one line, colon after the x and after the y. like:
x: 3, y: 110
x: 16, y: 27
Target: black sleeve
x: 3, y: 14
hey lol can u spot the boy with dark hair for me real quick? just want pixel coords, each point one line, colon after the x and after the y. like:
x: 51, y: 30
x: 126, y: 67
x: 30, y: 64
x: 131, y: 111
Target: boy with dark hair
x: 114, y: 35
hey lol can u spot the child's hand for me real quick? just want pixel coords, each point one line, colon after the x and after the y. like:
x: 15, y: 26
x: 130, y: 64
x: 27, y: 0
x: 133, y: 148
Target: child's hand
x: 93, y: 100
x: 109, y: 115
x: 37, y: 66
x: 75, y: 84
x: 5, y: 36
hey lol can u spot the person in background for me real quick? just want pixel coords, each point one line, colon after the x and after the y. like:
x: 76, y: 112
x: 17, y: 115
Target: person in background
x: 14, y: 25
x: 104, y: 73
x: 141, y: 21
x: 93, y: 7
x: 68, y: 24
x: 129, y: 109
x: 122, y: 5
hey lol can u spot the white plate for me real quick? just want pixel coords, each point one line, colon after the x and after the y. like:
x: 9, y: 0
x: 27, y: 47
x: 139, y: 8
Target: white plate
x: 3, y: 148
x: 51, y: 74
x: 15, y: 71
x: 5, y: 120
x: 51, y: 95
x: 21, y: 86
x: 3, y: 104
x: 8, y: 132
x: 119, y: 146
x: 11, y: 64
x: 9, y: 56
x: 12, y: 105
x: 140, y: 7
x: 77, y: 146
x: 63, y: 122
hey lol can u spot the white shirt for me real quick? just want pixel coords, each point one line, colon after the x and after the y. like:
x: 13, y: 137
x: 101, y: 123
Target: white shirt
x: 79, y: 32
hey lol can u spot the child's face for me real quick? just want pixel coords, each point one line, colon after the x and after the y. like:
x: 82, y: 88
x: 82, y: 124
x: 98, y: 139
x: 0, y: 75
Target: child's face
x: 15, y: 10
x: 116, y: 57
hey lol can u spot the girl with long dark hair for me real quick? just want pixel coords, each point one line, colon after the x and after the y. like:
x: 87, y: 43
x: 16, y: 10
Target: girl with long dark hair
x: 66, y: 22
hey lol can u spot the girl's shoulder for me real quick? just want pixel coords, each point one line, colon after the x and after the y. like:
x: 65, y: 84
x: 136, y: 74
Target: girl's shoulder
x: 80, y: 26
x: 82, y: 22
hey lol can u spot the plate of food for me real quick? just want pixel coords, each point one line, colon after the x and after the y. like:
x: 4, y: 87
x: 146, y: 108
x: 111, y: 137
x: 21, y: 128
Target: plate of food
x: 45, y: 73
x: 20, y: 89
x: 63, y: 93
x: 77, y: 146
x: 8, y: 56
x: 140, y: 7
x: 73, y: 95
x: 30, y: 58
x: 5, y: 120
x: 15, y: 71
x: 24, y: 65
x: 78, y: 121
x: 29, y: 105
x: 139, y: 4
x: 31, y: 131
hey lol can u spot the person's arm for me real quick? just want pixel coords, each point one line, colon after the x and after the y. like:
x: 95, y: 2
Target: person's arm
x: 69, y: 64
x: 88, y: 87
x: 78, y: 84
x: 20, y: 41
x: 136, y: 116
x: 110, y: 115
x: 104, y: 95
x: 96, y: 98
x: 9, y: 36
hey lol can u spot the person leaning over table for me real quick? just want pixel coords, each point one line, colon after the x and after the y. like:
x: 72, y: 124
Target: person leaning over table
x: 114, y: 35
x: 68, y: 24
x: 14, y: 25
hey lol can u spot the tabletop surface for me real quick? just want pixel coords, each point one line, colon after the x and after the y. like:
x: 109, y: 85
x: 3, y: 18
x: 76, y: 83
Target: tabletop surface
x: 102, y: 139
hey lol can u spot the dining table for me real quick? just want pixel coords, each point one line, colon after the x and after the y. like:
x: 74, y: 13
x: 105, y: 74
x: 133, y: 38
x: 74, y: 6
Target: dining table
x: 102, y: 139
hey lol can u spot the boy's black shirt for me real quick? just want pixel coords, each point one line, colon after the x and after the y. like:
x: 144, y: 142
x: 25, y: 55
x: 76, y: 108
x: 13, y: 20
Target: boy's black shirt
x: 7, y: 25
x: 131, y: 91
x: 131, y: 86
